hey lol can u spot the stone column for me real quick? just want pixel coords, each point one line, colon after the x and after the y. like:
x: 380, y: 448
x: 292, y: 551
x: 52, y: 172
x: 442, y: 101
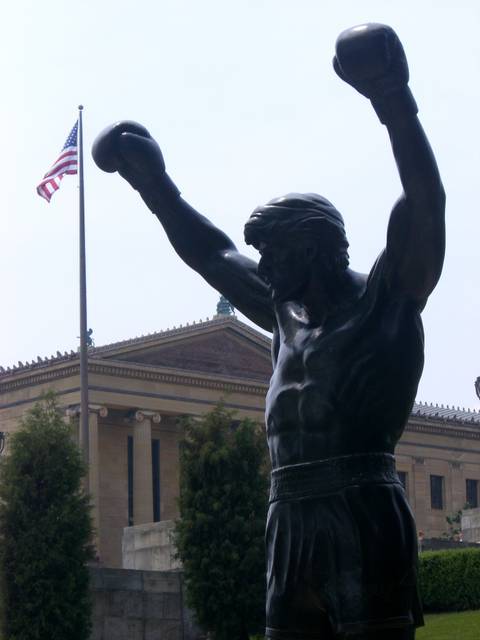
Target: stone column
x: 142, y: 466
x: 94, y: 412
x: 94, y: 461
x: 458, y: 496
x: 421, y: 496
x: 71, y: 418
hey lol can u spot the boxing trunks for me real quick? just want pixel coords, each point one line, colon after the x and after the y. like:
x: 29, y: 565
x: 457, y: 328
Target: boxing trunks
x: 341, y: 549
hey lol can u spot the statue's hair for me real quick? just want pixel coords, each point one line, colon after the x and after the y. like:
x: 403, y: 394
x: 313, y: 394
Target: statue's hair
x: 286, y: 220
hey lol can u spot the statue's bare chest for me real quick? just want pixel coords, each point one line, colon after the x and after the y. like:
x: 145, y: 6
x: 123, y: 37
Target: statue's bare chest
x: 306, y: 354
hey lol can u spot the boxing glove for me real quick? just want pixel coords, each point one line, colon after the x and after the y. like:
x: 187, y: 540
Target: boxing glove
x: 127, y: 147
x: 370, y: 58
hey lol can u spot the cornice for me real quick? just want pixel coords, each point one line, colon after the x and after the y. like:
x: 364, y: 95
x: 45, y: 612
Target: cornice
x: 444, y: 428
x: 134, y: 371
x: 440, y: 426
x: 177, y: 377
x: 40, y: 377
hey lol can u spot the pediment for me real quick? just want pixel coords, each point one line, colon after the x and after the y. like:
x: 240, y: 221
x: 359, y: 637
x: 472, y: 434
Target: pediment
x: 224, y: 350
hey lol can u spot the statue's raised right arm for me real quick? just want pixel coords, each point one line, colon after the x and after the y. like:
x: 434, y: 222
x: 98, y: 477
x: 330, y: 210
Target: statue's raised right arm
x: 128, y: 148
x: 371, y: 58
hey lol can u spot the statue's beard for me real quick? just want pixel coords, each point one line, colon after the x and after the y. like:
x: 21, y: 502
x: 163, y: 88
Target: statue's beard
x: 295, y: 286
x: 290, y: 289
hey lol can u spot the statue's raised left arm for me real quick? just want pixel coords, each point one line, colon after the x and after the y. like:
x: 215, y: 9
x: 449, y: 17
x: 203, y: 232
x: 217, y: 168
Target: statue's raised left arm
x: 416, y: 230
x: 371, y: 59
x: 128, y: 148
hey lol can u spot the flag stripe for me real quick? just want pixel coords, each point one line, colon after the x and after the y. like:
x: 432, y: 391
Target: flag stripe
x: 65, y: 164
x: 71, y: 151
x: 54, y: 183
x: 47, y: 188
x: 62, y: 168
x: 71, y: 157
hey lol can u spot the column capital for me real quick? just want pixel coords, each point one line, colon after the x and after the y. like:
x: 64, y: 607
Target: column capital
x: 74, y: 411
x: 455, y: 464
x: 100, y: 409
x: 141, y: 414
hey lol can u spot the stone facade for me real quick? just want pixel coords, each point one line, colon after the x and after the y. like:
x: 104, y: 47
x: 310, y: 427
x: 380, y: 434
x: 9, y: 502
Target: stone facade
x: 139, y: 388
x: 442, y: 449
x: 136, y: 399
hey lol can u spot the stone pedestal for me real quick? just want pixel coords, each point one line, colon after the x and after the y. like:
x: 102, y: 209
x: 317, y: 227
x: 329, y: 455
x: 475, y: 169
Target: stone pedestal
x: 471, y: 525
x: 149, y: 547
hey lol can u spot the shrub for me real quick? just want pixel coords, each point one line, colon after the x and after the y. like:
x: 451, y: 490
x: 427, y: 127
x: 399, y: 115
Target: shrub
x: 46, y: 531
x: 220, y: 534
x: 450, y: 580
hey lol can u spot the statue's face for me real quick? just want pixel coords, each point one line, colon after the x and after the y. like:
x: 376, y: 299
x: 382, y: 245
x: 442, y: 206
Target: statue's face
x: 286, y: 269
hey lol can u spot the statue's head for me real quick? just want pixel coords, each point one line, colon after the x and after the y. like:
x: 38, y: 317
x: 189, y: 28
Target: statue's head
x: 297, y: 235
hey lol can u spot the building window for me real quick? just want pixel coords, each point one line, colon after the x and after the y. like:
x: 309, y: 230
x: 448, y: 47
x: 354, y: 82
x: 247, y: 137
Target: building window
x: 472, y: 493
x: 156, y: 479
x: 436, y: 492
x: 130, y: 479
x: 403, y: 475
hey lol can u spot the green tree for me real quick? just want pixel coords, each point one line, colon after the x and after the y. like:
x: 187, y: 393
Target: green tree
x: 46, y: 531
x: 220, y: 533
x: 454, y: 522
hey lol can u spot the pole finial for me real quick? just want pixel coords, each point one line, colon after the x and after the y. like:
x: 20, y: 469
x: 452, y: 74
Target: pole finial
x: 80, y: 107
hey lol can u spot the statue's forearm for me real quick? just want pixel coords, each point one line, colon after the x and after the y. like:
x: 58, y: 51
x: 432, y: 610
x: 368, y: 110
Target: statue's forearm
x: 415, y: 160
x: 416, y: 231
x: 371, y: 59
x: 196, y: 240
x: 210, y: 252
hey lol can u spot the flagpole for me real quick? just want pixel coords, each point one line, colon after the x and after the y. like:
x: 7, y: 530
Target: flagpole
x: 84, y: 429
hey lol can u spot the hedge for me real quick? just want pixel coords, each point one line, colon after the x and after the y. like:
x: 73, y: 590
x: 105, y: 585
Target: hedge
x: 450, y: 580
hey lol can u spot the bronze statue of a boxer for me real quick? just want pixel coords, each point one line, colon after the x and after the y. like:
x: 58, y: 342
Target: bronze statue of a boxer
x: 347, y: 358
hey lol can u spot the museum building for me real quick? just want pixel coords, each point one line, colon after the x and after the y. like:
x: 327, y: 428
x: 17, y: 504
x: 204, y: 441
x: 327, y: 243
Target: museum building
x: 139, y: 388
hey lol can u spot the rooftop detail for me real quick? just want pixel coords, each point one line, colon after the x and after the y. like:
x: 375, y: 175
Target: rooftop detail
x: 143, y: 340
x: 446, y: 413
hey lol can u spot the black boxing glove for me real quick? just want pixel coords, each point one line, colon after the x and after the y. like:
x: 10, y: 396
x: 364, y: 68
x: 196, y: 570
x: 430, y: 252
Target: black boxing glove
x: 371, y: 59
x: 127, y: 147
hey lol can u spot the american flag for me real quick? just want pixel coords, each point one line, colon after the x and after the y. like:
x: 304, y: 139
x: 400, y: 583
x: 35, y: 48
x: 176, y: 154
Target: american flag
x: 66, y: 163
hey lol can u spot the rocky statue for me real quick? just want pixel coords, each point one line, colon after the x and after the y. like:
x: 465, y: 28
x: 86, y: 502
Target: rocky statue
x: 348, y: 353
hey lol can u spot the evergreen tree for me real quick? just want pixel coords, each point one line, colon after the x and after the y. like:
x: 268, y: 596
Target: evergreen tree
x: 220, y: 534
x: 46, y: 531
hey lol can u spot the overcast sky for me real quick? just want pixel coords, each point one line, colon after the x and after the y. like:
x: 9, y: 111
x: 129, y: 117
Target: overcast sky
x: 242, y: 98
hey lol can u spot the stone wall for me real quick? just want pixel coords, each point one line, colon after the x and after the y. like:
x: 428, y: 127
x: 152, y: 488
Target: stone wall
x: 442, y: 544
x: 140, y: 605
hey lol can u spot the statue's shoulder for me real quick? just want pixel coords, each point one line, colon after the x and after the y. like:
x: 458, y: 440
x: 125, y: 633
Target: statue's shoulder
x: 381, y: 287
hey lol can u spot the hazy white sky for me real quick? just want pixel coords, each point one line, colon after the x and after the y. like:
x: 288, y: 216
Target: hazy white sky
x: 243, y: 100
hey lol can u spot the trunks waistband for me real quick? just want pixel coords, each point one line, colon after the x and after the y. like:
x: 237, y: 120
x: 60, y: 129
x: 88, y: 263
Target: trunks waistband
x: 323, y: 477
